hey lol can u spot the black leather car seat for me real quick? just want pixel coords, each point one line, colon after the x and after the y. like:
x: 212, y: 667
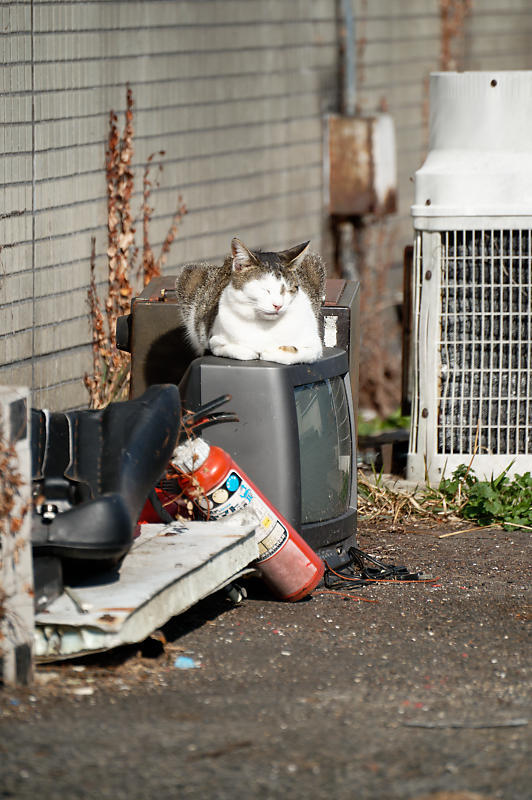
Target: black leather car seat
x: 92, y: 472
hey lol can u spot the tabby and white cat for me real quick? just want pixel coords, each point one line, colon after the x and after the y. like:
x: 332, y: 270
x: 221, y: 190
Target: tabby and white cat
x: 255, y: 305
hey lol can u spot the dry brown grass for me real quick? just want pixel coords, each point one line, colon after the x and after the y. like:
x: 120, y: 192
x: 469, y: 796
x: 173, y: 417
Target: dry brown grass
x: 381, y: 499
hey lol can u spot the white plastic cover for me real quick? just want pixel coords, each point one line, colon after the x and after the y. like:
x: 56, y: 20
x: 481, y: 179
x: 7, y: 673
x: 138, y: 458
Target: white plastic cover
x: 480, y: 149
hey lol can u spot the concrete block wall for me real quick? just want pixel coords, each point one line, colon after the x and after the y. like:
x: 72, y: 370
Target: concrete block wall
x: 234, y: 92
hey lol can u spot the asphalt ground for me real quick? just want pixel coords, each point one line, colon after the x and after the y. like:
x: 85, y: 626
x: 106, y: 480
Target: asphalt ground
x: 423, y: 692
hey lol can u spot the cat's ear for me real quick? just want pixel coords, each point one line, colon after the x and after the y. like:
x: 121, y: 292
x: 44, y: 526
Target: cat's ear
x: 242, y: 257
x: 292, y: 257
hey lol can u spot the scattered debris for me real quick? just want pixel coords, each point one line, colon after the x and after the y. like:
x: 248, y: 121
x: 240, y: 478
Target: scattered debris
x: 185, y: 662
x: 83, y: 691
x: 221, y: 751
x: 511, y: 723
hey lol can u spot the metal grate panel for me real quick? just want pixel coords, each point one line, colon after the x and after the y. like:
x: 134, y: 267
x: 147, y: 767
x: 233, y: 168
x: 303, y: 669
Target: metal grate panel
x: 485, y: 397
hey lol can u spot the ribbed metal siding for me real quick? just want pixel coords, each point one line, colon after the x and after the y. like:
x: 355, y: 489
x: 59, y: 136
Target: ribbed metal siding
x: 233, y: 91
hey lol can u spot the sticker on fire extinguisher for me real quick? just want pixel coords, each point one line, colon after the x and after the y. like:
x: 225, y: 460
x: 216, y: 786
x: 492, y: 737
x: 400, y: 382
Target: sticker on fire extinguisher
x: 270, y: 533
x: 230, y: 496
x: 272, y: 543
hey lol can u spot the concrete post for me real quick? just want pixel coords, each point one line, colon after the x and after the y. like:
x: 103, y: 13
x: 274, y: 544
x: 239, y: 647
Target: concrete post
x: 16, y: 573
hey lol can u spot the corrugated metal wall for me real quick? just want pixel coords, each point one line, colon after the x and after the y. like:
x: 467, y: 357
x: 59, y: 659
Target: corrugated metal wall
x: 401, y: 43
x: 234, y: 91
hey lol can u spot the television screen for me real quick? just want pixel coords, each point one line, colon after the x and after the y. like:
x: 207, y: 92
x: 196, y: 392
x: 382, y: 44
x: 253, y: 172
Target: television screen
x: 325, y: 449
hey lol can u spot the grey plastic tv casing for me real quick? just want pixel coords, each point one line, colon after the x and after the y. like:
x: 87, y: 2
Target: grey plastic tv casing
x: 265, y: 441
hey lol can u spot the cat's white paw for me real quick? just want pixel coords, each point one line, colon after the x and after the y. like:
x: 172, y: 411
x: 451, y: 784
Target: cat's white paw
x: 309, y: 354
x: 289, y: 354
x: 219, y: 347
x: 282, y: 355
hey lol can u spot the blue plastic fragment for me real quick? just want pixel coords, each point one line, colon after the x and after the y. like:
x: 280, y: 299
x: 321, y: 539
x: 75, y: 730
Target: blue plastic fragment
x: 184, y: 662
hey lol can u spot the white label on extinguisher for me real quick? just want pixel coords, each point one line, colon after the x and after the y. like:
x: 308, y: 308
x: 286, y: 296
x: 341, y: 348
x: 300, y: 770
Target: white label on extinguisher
x: 234, y: 494
x: 230, y: 496
x: 273, y: 542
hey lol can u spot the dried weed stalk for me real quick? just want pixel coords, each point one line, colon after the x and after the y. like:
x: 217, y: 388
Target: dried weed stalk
x: 111, y: 367
x: 151, y: 267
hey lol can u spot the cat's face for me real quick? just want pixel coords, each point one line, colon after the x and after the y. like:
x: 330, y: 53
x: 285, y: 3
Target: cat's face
x: 267, y: 282
x: 269, y: 294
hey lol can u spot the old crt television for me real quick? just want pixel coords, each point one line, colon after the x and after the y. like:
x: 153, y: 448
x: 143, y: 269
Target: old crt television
x: 296, y: 434
x: 295, y: 438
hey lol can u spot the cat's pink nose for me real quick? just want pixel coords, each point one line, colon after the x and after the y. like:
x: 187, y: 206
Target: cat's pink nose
x: 277, y: 308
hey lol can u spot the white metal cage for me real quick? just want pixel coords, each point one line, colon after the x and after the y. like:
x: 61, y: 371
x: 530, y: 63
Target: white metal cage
x: 472, y: 284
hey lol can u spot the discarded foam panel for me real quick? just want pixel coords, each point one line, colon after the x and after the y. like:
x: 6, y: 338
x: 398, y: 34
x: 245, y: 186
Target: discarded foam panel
x: 168, y: 569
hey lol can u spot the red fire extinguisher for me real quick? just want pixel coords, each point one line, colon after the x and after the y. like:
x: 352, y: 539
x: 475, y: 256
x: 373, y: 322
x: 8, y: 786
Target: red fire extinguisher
x: 208, y: 475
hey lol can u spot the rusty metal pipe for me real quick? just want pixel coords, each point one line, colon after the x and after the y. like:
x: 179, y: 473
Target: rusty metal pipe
x: 349, y: 76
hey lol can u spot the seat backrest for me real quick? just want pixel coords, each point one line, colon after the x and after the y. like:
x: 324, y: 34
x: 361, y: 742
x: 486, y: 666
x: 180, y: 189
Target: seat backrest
x: 123, y: 448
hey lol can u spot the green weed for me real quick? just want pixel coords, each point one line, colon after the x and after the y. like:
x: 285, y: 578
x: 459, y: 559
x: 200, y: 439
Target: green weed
x: 376, y: 425
x: 500, y: 501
